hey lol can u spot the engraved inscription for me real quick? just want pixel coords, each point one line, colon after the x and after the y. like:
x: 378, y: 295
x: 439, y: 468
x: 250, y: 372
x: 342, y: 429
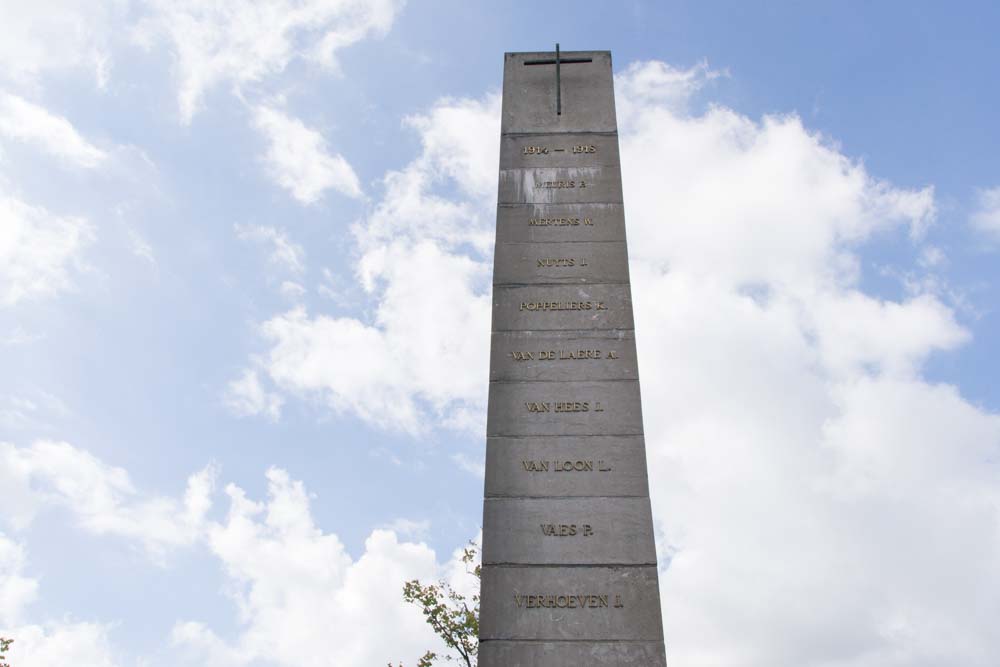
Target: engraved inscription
x: 534, y: 306
x: 568, y: 601
x: 560, y: 262
x: 563, y: 406
x: 544, y: 150
x: 566, y: 466
x: 566, y: 530
x: 564, y: 355
x: 559, y: 222
x: 558, y: 185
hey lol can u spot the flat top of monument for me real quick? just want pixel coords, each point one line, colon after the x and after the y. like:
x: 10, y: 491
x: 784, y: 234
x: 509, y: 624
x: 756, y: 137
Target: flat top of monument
x: 565, y: 54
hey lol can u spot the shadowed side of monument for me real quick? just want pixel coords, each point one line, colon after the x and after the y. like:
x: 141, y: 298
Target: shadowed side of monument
x: 569, y: 565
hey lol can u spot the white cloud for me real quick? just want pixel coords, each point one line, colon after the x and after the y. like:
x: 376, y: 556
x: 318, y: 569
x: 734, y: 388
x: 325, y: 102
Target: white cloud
x: 246, y: 396
x: 54, y: 644
x: 422, y: 360
x: 284, y: 253
x: 101, y: 497
x: 54, y: 35
x: 302, y: 600
x: 39, y: 251
x: 818, y: 502
x: 240, y: 43
x: 299, y: 160
x: 986, y: 217
x: 25, y: 121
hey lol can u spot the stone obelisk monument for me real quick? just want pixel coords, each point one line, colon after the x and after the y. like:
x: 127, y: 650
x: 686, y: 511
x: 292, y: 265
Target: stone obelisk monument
x: 569, y: 564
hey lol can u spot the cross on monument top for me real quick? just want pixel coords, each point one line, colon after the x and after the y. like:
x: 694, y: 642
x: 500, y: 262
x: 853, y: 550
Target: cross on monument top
x: 558, y: 61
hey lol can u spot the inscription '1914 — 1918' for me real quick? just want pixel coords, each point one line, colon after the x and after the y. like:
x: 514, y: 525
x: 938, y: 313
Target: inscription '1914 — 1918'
x: 567, y: 601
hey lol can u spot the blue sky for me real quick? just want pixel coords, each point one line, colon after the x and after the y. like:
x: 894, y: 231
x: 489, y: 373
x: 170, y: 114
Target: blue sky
x: 245, y: 253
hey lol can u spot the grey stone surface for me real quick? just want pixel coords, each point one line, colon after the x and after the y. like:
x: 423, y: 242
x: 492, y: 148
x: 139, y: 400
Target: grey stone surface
x: 560, y: 185
x: 552, y: 223
x: 508, y: 653
x: 556, y: 356
x: 560, y: 263
x: 504, y: 587
x: 529, y: 101
x: 559, y: 308
x: 568, y: 531
x: 569, y: 574
x: 564, y: 408
x: 527, y: 466
x: 518, y: 151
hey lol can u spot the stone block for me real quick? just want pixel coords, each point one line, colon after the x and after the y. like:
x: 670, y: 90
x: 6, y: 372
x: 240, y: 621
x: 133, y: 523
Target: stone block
x: 562, y: 308
x: 560, y: 185
x: 518, y: 151
x: 557, y: 223
x: 556, y: 356
x: 505, y: 653
x: 537, y: 466
x: 564, y: 408
x: 578, y: 603
x: 568, y: 531
x: 529, y: 94
x: 560, y: 263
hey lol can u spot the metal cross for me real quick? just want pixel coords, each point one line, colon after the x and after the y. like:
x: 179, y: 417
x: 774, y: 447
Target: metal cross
x: 557, y: 62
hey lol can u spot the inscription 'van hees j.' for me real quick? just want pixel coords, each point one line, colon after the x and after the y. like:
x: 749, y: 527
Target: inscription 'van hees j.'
x: 569, y: 573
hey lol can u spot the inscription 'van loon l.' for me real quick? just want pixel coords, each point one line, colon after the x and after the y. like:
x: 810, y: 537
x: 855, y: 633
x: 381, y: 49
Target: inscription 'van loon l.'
x: 569, y: 564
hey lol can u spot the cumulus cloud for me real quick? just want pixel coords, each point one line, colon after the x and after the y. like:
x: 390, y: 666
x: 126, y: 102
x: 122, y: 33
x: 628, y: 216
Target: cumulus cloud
x: 100, y: 496
x: 302, y: 600
x: 299, y: 160
x: 240, y: 43
x: 246, y: 396
x: 424, y: 257
x: 25, y: 121
x: 53, y: 644
x: 284, y: 253
x: 39, y: 251
x: 805, y: 478
x: 41, y: 37
x: 986, y: 217
x: 818, y: 501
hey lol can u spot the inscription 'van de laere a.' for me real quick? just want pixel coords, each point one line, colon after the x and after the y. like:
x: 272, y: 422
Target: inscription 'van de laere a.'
x: 569, y: 575
x: 563, y: 355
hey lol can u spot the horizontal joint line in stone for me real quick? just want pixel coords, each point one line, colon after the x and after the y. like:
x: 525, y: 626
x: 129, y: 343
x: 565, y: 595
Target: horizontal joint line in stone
x: 562, y: 566
x: 569, y: 282
x: 516, y: 204
x: 556, y: 133
x: 573, y: 641
x: 490, y: 496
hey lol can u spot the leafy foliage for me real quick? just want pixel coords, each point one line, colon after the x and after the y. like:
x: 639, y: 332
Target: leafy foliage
x: 453, y: 617
x: 4, y: 645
